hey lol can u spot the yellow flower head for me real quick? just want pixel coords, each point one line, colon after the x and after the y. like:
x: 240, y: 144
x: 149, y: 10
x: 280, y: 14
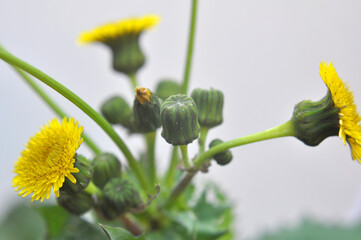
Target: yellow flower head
x: 349, y: 123
x: 47, y: 159
x: 110, y: 31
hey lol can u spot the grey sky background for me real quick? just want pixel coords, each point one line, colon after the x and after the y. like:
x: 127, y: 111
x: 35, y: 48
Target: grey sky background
x: 263, y: 55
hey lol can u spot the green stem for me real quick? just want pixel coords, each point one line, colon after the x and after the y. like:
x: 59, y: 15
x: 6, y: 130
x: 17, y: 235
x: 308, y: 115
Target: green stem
x: 202, y: 139
x: 190, y: 47
x: 169, y: 177
x: 133, y: 164
x: 88, y: 141
x: 133, y: 80
x: 150, y: 139
x: 185, y: 159
x: 283, y: 130
x: 92, y: 189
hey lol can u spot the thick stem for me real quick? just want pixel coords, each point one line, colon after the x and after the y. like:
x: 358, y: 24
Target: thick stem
x: 283, y: 130
x: 185, y: 159
x: 130, y: 225
x: 190, y: 47
x: 55, y: 107
x: 150, y: 139
x: 179, y: 188
x: 169, y: 177
x: 108, y: 129
x: 202, y: 139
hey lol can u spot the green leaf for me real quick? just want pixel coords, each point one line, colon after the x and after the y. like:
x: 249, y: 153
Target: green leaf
x: 186, y: 219
x: 21, y: 223
x: 215, y: 218
x: 117, y: 233
x: 62, y: 225
x: 311, y: 230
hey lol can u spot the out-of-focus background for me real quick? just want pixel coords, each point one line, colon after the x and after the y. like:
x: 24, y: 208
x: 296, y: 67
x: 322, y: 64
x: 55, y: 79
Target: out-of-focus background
x: 263, y: 55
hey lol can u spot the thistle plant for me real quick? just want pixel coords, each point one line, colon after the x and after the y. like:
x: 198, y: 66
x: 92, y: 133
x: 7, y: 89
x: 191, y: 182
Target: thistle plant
x: 128, y: 195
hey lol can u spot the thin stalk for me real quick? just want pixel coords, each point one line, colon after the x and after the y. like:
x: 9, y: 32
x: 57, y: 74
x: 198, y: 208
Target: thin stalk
x: 202, y: 139
x: 150, y: 140
x: 93, y: 189
x: 185, y: 159
x: 192, y: 30
x: 55, y: 107
x: 133, y: 80
x: 133, y: 164
x: 283, y: 130
x: 169, y: 177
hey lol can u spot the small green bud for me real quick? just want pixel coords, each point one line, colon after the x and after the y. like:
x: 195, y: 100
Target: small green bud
x: 83, y: 177
x: 116, y: 110
x: 146, y: 111
x: 121, y: 195
x: 77, y: 203
x: 106, y: 167
x: 179, y: 117
x: 315, y: 121
x: 222, y: 158
x: 167, y: 88
x: 128, y: 58
x: 210, y: 106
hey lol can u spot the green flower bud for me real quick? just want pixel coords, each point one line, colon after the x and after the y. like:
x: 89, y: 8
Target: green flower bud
x: 77, y: 203
x: 179, y: 117
x: 83, y: 177
x: 105, y: 210
x: 116, y: 110
x: 222, y: 158
x: 315, y: 121
x: 121, y: 195
x: 146, y: 111
x: 127, y: 55
x: 106, y: 166
x: 167, y: 88
x: 210, y: 106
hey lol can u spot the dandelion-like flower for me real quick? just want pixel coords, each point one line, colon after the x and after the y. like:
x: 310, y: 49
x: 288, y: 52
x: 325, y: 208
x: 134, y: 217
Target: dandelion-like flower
x: 122, y: 37
x: 349, y: 118
x: 114, y: 30
x: 47, y: 159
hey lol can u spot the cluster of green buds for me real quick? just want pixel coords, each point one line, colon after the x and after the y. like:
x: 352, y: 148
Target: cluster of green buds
x: 99, y: 185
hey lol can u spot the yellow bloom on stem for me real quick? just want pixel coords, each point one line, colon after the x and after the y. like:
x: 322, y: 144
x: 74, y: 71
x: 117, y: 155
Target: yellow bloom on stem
x: 112, y: 30
x: 47, y: 159
x: 349, y: 118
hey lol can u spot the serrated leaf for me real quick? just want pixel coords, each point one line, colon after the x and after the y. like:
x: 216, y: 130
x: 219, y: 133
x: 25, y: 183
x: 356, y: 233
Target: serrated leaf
x: 117, y: 233
x: 188, y: 220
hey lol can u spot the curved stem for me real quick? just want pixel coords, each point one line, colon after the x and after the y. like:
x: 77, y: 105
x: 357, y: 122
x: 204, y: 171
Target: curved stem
x: 150, y: 139
x: 92, y: 189
x: 202, y: 139
x: 88, y: 141
x: 283, y: 130
x: 169, y: 177
x: 133, y: 164
x: 190, y: 47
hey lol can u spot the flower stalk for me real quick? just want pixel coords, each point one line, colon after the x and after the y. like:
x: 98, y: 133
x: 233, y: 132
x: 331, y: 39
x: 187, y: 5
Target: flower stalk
x: 55, y: 107
x: 150, y: 140
x: 192, y: 30
x: 283, y: 130
x: 80, y: 103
